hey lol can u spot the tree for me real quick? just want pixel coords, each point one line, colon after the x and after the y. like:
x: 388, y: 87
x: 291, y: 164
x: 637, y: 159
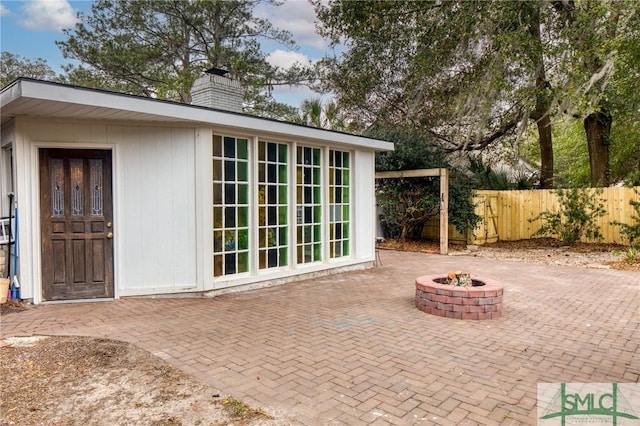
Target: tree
x: 159, y: 47
x: 603, y: 39
x: 470, y: 73
x: 572, y: 155
x: 326, y: 115
x: 625, y: 148
x: 313, y: 112
x: 623, y: 100
x: 13, y: 66
x: 407, y: 204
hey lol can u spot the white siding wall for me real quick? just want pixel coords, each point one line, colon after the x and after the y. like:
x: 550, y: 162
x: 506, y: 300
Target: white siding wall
x: 156, y: 209
x: 364, y: 205
x: 153, y: 194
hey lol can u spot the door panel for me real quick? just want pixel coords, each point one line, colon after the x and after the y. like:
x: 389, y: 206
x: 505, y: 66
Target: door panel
x: 76, y: 219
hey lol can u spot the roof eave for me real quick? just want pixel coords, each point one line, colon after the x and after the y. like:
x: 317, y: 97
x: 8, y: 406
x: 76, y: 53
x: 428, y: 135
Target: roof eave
x: 172, y: 111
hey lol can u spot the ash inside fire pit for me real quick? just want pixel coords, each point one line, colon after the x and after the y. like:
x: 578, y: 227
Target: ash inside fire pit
x: 474, y: 283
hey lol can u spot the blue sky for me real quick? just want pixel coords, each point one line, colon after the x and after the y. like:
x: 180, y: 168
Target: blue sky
x: 29, y: 28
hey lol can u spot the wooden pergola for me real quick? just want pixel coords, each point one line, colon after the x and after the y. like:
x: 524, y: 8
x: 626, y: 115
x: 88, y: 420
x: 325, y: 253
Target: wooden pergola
x: 443, y: 174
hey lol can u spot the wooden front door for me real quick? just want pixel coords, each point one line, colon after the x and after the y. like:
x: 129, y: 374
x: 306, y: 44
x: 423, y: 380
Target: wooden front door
x: 76, y: 220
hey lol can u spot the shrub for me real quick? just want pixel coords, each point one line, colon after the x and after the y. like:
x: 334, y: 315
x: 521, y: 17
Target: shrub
x: 485, y: 177
x: 632, y: 255
x: 631, y: 232
x: 579, y: 209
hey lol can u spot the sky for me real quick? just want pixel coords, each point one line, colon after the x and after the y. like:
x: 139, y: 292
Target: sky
x: 29, y: 28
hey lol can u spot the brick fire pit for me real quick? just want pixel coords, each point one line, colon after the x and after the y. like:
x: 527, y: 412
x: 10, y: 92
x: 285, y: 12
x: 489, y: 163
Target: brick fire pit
x: 482, y: 301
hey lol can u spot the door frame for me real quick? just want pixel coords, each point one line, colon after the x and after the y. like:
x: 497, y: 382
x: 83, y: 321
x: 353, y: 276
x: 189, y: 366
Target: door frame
x: 36, y: 220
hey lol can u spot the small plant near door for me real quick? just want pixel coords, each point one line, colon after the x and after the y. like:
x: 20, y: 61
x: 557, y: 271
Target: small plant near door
x: 576, y: 218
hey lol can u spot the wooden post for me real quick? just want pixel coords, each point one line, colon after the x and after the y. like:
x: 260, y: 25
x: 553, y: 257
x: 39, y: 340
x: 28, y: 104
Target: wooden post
x: 444, y: 211
x: 443, y: 174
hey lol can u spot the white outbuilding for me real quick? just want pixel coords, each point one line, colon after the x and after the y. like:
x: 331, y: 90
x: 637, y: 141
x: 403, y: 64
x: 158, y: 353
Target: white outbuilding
x: 119, y: 195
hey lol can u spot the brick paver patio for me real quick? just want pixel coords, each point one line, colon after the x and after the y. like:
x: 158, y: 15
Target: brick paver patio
x: 352, y: 349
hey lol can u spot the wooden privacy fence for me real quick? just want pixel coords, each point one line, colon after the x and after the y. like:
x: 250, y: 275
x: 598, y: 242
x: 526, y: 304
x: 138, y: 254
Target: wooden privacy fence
x: 505, y: 214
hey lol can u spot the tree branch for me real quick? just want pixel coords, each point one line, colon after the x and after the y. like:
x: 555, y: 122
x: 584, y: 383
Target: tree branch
x: 484, y: 142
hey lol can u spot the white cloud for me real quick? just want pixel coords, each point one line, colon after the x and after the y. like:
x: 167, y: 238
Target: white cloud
x: 285, y: 59
x: 294, y: 95
x: 48, y: 15
x: 3, y: 10
x: 298, y: 17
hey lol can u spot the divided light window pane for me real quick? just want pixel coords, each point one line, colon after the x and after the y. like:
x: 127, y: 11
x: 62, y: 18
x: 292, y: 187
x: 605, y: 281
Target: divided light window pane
x: 273, y: 214
x: 308, y: 204
x: 339, y: 204
x: 230, y: 205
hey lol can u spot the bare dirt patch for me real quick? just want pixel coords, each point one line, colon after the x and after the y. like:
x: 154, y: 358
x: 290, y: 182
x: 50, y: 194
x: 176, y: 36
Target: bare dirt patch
x: 80, y: 380
x: 540, y: 250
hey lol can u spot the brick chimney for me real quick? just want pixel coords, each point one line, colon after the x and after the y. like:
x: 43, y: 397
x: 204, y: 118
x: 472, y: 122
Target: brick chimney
x: 214, y: 89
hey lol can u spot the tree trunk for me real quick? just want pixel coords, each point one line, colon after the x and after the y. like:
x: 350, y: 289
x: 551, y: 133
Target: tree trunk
x: 546, y: 150
x: 412, y: 231
x: 597, y: 126
x: 543, y: 103
x: 403, y: 233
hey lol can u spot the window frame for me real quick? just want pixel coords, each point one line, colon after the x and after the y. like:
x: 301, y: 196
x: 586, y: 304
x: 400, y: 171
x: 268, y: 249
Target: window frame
x: 322, y: 188
x: 222, y: 209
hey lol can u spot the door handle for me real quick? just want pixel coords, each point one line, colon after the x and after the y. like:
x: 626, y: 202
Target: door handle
x: 110, y: 235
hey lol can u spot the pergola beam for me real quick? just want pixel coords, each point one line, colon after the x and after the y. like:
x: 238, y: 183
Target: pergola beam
x: 410, y: 173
